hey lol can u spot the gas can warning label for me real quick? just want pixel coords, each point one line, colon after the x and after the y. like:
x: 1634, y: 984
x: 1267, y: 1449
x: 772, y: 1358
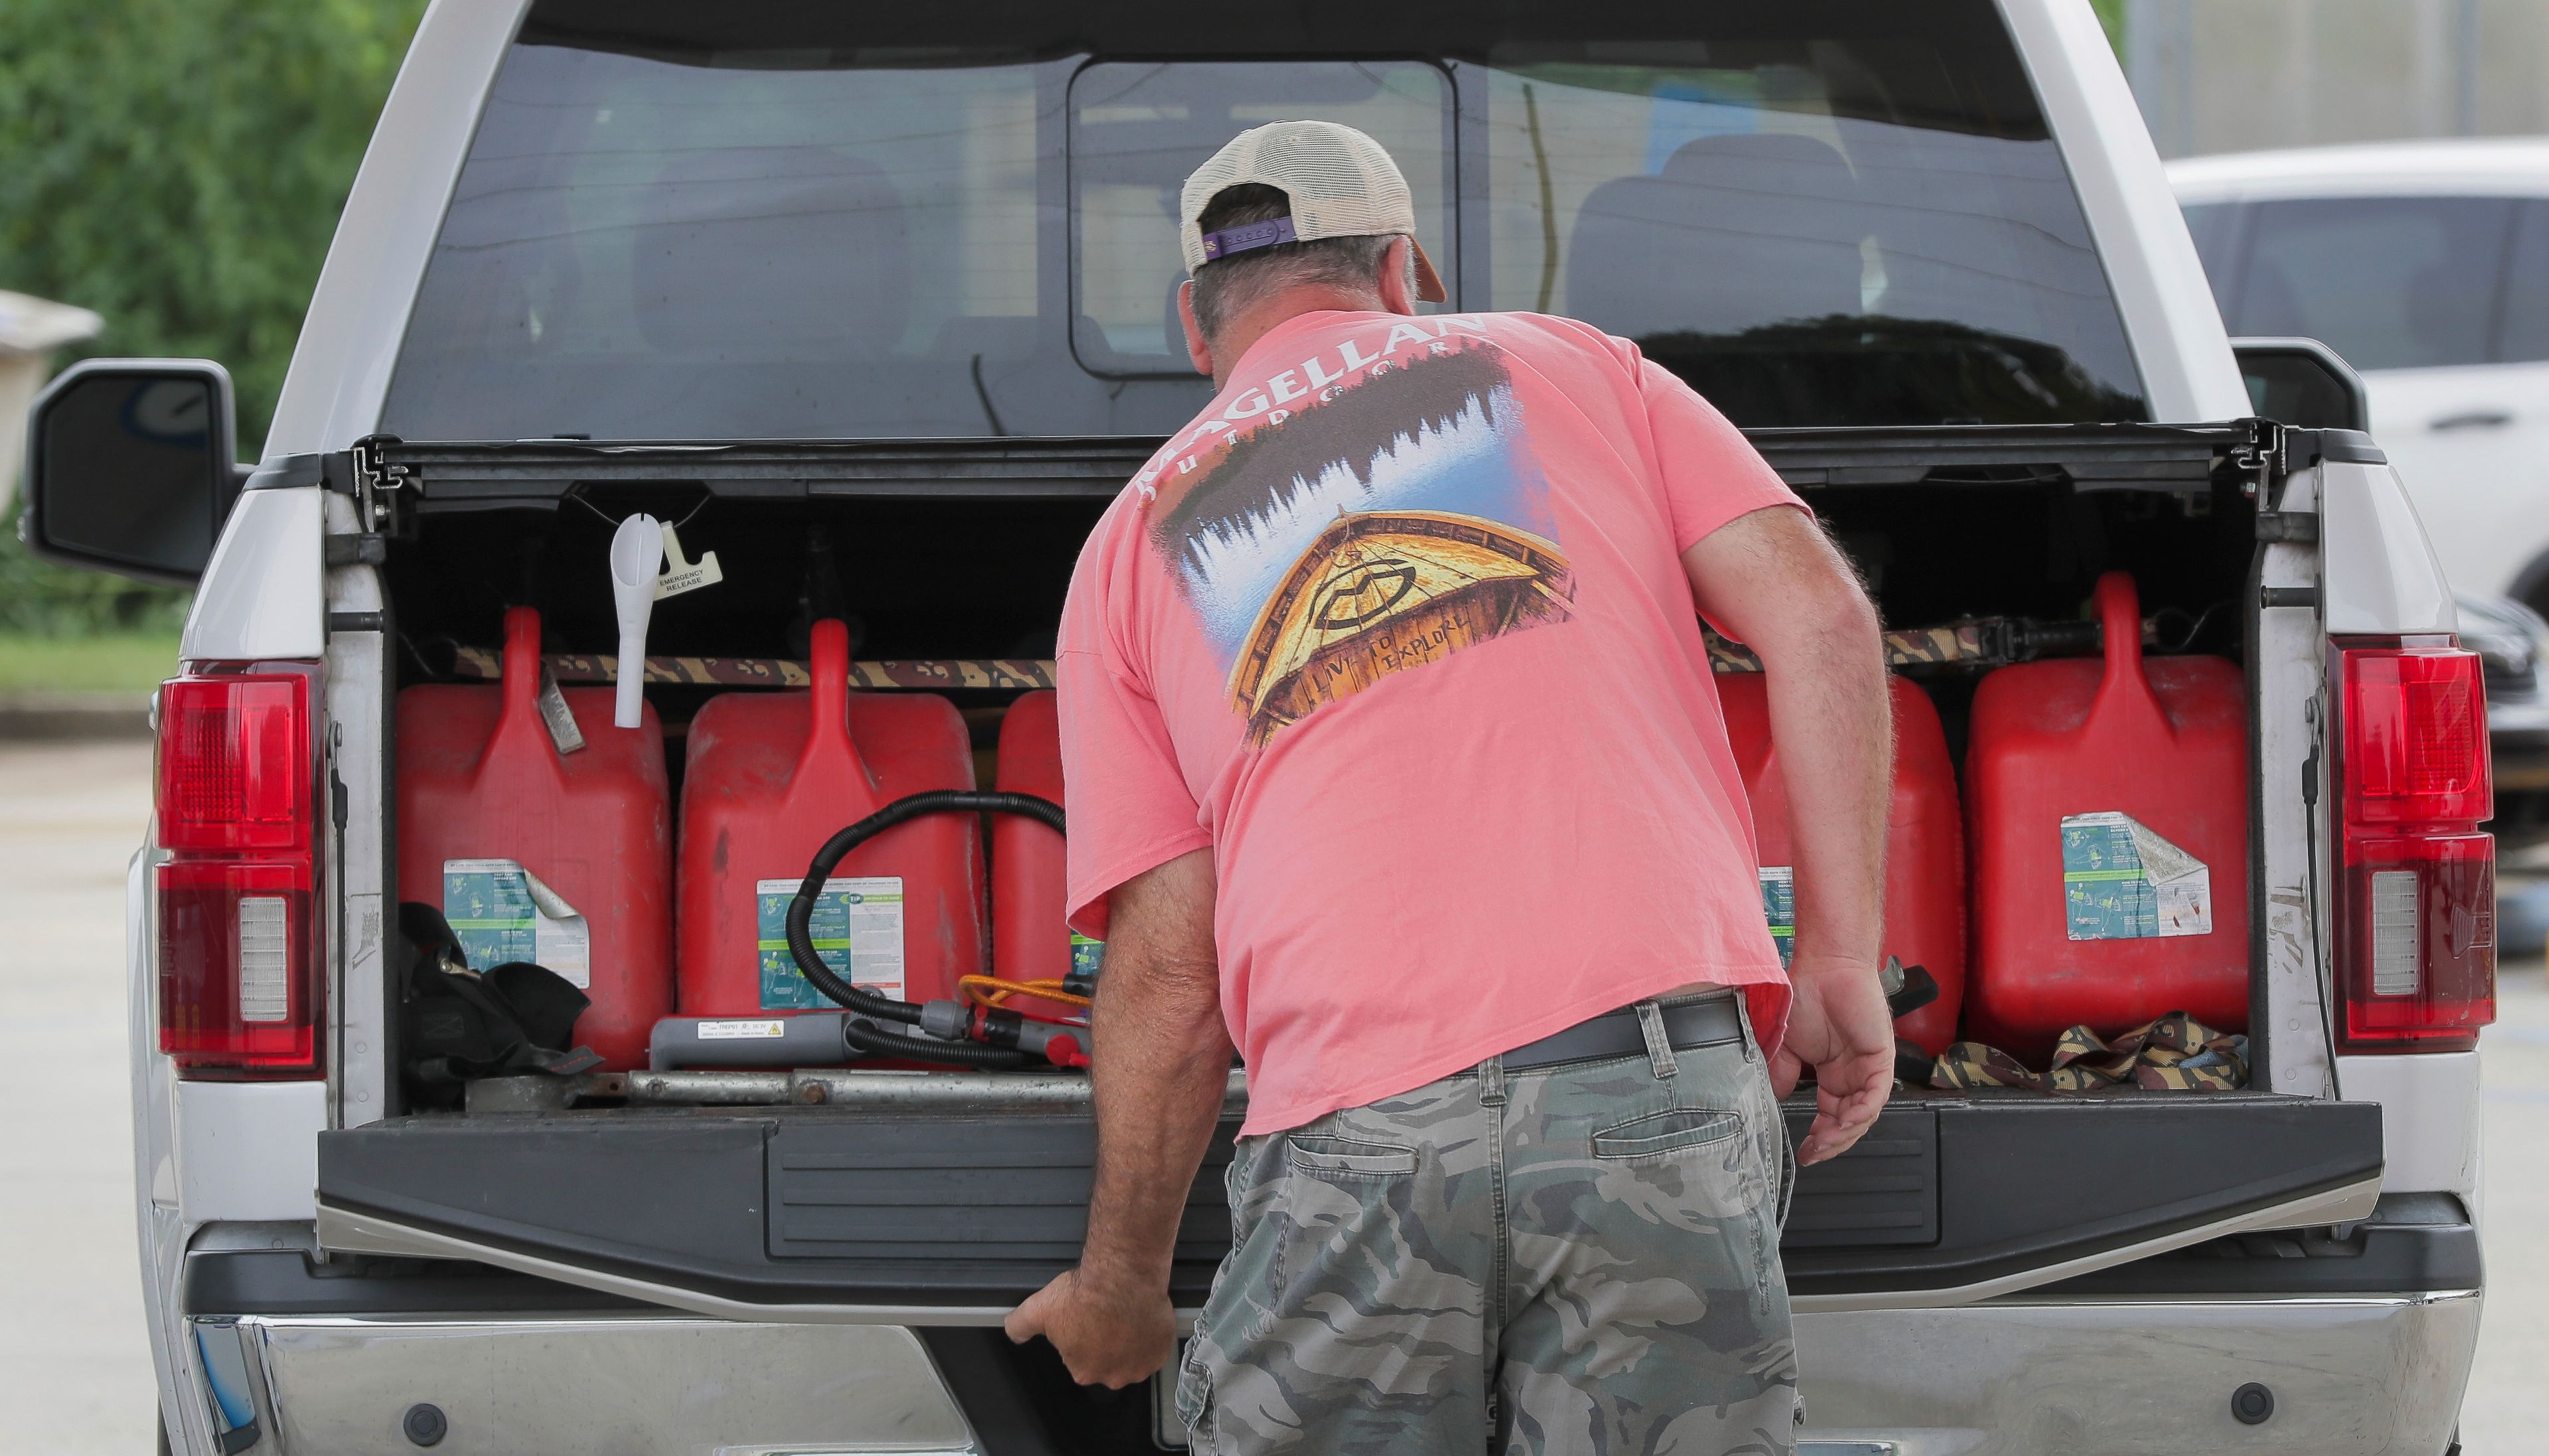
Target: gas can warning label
x: 1779, y: 903
x: 857, y: 930
x: 1086, y: 955
x: 2123, y: 882
x: 502, y: 913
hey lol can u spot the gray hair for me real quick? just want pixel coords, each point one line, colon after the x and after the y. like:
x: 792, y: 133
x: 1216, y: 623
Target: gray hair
x: 1228, y: 286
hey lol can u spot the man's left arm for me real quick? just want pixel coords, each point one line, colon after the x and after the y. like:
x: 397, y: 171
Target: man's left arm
x: 1775, y: 582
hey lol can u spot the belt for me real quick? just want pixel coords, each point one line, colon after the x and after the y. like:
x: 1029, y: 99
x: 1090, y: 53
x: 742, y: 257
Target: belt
x: 1613, y: 1034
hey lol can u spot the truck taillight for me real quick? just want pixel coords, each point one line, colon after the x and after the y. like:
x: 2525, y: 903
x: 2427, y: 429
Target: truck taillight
x: 238, y: 930
x: 2416, y: 947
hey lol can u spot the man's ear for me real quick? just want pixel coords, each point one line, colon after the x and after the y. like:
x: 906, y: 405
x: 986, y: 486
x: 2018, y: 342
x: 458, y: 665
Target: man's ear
x: 1197, y: 351
x: 1398, y: 276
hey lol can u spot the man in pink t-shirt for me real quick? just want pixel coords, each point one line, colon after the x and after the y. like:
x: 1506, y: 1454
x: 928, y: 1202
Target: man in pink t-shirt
x: 1395, y: 760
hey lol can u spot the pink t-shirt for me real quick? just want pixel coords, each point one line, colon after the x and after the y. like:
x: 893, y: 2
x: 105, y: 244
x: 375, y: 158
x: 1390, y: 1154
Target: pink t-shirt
x: 1399, y: 628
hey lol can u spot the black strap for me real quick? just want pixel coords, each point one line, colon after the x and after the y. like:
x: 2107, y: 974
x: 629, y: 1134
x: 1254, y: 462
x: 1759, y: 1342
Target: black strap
x: 510, y: 1019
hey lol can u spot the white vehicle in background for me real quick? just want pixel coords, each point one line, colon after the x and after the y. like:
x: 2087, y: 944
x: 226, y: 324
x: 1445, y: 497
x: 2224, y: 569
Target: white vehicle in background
x: 2426, y: 264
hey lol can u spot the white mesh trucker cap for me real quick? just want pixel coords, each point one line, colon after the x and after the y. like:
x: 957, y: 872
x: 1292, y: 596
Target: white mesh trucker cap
x: 1342, y: 184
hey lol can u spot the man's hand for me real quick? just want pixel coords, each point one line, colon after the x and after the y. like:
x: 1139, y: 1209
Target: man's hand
x: 1109, y: 1332
x: 1162, y: 1063
x: 1773, y: 582
x: 1839, y: 1026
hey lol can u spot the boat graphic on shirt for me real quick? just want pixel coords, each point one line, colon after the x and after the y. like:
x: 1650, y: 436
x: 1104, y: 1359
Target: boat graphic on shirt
x: 1395, y: 519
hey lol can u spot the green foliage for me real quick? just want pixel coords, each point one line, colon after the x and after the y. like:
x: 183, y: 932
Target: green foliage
x: 124, y: 662
x: 41, y: 599
x: 2111, y: 13
x: 178, y: 166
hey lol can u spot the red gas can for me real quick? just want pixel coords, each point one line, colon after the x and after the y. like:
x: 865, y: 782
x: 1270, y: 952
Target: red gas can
x: 2109, y: 808
x: 1029, y: 940
x: 1924, y: 842
x: 481, y: 781
x: 768, y: 778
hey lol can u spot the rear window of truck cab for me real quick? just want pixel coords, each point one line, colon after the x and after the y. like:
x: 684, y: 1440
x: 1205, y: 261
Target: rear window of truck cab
x: 805, y: 220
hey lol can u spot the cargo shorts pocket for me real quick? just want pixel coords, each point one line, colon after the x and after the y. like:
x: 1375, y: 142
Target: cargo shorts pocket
x: 1698, y: 1164
x: 1194, y: 1397
x: 1327, y: 1156
x: 1675, y: 1130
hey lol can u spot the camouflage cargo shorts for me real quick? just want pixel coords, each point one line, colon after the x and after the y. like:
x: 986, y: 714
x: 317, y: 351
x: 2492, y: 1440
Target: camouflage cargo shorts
x: 1575, y: 1258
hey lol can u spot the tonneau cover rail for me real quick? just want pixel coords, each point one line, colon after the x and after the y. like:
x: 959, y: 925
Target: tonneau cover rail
x: 447, y: 475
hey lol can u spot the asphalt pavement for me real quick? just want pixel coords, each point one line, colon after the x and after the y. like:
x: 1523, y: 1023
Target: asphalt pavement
x: 75, y: 1362
x: 2506, y: 1410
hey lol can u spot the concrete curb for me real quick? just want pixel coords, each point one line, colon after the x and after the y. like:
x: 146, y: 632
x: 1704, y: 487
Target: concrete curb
x: 41, y: 716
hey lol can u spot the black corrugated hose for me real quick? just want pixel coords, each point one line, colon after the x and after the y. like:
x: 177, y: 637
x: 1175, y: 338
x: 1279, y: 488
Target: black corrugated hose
x: 865, y: 1035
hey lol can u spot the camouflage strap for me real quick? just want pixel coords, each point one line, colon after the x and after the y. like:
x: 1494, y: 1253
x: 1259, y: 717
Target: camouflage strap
x: 2175, y: 1054
x: 1976, y: 642
x: 927, y: 674
x: 1957, y: 642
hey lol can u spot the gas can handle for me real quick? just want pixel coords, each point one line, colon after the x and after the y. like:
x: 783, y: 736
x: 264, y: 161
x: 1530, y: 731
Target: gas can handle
x: 2119, y: 621
x: 828, y: 666
x: 522, y: 670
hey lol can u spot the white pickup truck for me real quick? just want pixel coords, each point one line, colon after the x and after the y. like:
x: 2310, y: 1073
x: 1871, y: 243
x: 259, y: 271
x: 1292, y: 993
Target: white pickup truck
x: 874, y: 301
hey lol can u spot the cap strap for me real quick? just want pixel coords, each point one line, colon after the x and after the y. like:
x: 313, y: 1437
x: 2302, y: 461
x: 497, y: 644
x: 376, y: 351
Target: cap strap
x: 1247, y: 237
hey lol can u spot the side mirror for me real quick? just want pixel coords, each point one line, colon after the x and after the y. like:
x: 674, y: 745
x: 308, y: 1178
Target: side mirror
x: 131, y: 467
x: 2303, y: 382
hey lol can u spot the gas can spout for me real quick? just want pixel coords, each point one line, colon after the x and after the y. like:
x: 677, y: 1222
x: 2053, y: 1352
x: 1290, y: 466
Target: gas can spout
x: 636, y: 558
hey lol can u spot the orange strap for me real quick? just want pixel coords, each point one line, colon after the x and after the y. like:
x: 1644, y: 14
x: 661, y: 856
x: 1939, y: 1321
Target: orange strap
x: 991, y: 991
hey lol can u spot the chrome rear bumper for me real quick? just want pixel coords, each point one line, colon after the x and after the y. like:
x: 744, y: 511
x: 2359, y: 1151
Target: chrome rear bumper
x: 2350, y: 1375
x: 578, y: 1387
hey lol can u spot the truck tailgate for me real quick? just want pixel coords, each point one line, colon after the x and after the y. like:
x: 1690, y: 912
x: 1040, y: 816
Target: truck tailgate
x: 826, y: 1213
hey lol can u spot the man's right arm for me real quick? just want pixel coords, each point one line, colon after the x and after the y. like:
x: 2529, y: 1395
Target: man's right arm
x: 1162, y: 1060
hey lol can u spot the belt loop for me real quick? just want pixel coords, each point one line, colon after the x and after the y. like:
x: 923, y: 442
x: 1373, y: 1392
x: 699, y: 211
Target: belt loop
x: 1744, y: 1015
x: 1491, y: 1082
x: 1650, y: 1020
